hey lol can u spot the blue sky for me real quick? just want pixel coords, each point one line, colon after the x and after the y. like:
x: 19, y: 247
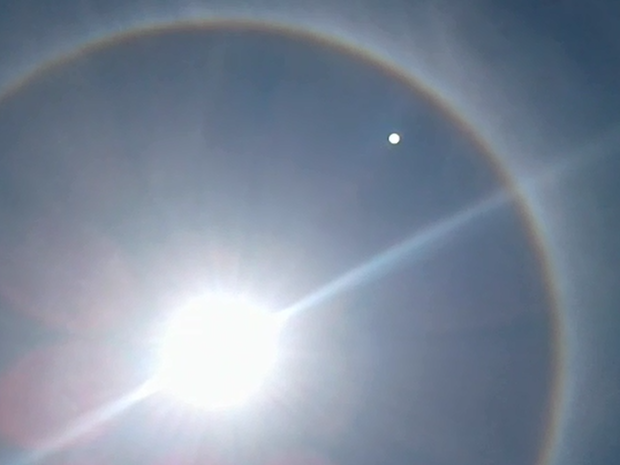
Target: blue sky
x: 260, y: 161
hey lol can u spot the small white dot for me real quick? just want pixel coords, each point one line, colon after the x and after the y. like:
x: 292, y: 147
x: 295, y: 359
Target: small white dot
x: 394, y: 138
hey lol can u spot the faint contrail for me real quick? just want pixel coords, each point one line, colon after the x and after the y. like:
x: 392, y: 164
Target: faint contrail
x: 410, y: 248
x: 86, y: 424
x: 418, y: 243
x: 379, y: 265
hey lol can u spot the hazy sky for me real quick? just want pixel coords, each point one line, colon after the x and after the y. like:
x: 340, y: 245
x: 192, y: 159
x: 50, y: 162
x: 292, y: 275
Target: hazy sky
x: 259, y: 161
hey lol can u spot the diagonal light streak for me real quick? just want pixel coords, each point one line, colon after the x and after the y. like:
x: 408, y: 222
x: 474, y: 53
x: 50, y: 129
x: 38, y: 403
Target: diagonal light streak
x: 87, y: 423
x: 410, y: 249
x: 415, y: 245
x: 380, y: 265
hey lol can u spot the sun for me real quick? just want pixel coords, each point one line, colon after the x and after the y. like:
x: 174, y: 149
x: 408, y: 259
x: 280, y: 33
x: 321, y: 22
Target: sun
x: 217, y: 352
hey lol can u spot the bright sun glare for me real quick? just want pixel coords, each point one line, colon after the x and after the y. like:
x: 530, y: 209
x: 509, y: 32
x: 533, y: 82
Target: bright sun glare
x: 217, y: 352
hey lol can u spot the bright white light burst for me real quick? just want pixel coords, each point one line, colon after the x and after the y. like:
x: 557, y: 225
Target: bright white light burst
x: 394, y: 138
x: 217, y: 352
